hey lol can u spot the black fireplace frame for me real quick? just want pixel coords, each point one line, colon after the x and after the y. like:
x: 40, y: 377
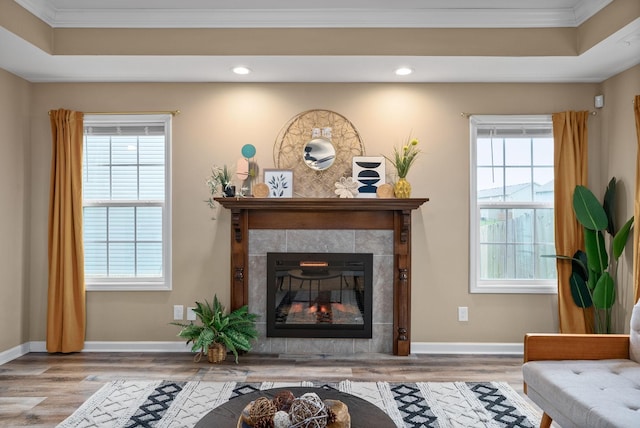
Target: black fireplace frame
x: 290, y: 260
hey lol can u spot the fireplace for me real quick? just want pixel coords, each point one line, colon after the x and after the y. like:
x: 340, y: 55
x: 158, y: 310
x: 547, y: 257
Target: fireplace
x: 292, y: 215
x: 319, y: 295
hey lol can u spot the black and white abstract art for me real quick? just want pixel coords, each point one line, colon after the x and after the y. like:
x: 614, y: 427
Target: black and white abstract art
x: 369, y: 173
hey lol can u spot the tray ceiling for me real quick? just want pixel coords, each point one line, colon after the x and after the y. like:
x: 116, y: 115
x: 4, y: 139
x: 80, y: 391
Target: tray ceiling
x: 613, y: 54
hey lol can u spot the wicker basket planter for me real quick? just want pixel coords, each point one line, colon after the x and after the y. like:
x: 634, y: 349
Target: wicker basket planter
x: 218, y: 331
x: 217, y: 353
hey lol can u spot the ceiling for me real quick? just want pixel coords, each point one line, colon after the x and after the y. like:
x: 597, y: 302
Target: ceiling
x: 616, y: 53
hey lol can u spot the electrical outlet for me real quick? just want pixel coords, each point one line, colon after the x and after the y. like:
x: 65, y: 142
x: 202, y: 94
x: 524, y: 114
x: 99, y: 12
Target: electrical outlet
x: 191, y: 316
x: 178, y: 312
x: 463, y: 313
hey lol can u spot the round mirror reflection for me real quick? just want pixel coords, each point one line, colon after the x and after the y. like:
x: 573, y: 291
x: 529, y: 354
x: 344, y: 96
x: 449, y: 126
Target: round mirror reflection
x: 319, y: 154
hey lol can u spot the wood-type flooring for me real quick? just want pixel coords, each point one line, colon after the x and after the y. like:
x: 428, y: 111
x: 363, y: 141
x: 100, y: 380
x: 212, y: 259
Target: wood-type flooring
x: 41, y: 390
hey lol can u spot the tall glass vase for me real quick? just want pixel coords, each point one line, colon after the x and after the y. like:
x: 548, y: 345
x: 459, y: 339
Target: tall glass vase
x: 402, y: 188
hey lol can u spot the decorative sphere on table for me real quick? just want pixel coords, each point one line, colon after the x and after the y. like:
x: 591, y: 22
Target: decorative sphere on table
x: 283, y: 400
x: 309, y: 406
x: 281, y: 420
x: 262, y: 411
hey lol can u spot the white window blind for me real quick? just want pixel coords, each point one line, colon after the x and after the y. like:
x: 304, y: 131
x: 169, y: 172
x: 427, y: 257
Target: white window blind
x: 126, y: 202
x: 511, y: 217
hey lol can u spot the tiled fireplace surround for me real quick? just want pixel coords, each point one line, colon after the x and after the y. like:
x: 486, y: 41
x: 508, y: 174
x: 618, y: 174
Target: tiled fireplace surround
x: 378, y: 226
x: 377, y: 242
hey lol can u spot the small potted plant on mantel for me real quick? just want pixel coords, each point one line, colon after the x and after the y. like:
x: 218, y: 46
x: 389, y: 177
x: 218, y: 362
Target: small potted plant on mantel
x: 219, y: 183
x: 219, y: 332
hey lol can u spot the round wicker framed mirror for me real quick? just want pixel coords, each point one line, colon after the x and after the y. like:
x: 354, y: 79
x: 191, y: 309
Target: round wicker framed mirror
x: 302, y: 134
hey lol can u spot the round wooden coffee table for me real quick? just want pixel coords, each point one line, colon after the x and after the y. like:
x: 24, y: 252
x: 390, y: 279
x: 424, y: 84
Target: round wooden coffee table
x: 363, y: 414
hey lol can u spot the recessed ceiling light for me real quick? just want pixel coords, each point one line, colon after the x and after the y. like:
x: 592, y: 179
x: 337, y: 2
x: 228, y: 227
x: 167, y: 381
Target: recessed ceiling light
x: 241, y: 70
x: 403, y: 71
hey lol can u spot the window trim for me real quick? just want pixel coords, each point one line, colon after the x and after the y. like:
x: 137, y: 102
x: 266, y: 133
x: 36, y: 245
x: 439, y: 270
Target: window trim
x: 495, y: 286
x: 163, y: 283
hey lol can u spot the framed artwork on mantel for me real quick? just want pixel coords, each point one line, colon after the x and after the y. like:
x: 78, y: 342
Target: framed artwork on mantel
x: 369, y: 173
x: 280, y: 182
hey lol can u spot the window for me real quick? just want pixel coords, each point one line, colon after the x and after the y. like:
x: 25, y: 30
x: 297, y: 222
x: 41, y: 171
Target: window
x: 511, y: 219
x: 126, y: 202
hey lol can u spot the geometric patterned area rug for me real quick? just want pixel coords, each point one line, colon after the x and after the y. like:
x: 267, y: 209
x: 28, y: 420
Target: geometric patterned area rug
x: 132, y: 403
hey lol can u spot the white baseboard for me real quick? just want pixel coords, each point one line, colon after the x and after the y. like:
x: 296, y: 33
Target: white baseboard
x: 416, y: 348
x: 122, y: 347
x: 467, y: 348
x: 13, y: 353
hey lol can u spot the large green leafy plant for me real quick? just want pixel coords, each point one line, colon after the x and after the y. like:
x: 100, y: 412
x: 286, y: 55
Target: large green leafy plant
x: 235, y: 330
x: 594, y: 271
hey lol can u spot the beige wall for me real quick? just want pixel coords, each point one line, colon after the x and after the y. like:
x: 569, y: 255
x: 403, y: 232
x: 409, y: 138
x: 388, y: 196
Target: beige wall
x: 618, y: 154
x: 217, y: 119
x: 14, y: 213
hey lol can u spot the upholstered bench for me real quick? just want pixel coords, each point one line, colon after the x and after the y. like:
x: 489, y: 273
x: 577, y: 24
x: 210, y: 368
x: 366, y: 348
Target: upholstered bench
x: 584, y: 381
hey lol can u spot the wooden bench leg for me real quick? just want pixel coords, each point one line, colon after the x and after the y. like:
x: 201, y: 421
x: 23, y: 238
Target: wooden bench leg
x: 546, y: 421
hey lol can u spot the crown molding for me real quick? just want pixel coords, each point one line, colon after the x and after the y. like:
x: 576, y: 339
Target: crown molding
x: 132, y: 16
x: 586, y: 9
x: 46, y: 11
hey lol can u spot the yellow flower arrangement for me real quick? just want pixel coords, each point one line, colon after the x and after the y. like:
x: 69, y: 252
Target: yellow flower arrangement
x: 403, y: 158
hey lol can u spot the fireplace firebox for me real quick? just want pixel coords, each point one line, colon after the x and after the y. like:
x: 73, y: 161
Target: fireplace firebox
x: 319, y: 295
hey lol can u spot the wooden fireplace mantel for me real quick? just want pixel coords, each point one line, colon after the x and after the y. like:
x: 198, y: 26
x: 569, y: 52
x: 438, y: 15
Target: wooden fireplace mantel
x: 328, y: 213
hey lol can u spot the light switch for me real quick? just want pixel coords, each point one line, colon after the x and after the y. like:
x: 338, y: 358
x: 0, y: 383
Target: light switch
x: 178, y: 312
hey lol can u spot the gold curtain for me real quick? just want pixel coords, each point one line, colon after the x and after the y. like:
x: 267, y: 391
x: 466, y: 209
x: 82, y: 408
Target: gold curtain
x: 570, y: 164
x: 636, y: 207
x: 66, y: 303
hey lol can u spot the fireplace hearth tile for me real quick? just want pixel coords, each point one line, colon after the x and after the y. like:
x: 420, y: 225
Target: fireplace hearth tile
x: 311, y: 346
x: 382, y: 289
x: 378, y: 242
x: 362, y: 345
x: 258, y: 286
x: 381, y: 335
x: 343, y: 346
x: 278, y: 344
x: 320, y: 241
x: 261, y: 345
x: 264, y: 241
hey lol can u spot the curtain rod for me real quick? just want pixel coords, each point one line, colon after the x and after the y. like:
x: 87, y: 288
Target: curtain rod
x: 171, y: 112
x: 467, y: 115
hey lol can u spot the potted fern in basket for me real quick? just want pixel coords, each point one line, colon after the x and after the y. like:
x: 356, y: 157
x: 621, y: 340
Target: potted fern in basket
x: 219, y: 332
